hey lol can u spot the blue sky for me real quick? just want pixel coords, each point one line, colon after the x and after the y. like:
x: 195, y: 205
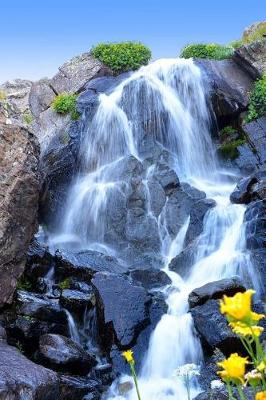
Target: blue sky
x: 37, y: 36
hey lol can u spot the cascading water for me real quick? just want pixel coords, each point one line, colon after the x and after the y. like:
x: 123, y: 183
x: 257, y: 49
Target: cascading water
x: 169, y: 96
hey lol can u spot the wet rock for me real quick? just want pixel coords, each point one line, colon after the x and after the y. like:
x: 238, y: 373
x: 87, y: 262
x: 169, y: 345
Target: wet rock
x: 250, y: 189
x: 19, y: 195
x: 212, y: 394
x: 215, y: 290
x: 21, y: 378
x: 182, y: 263
x: 197, y: 214
x: 122, y: 309
x: 150, y: 278
x: 255, y: 133
x: 104, y: 373
x: 72, y: 387
x: 229, y: 88
x: 40, y: 307
x: 77, y: 301
x: 85, y: 264
x: 213, y: 327
x: 167, y: 178
x: 63, y: 354
x: 247, y: 160
x: 252, y: 58
x: 258, y: 260
x: 255, y: 219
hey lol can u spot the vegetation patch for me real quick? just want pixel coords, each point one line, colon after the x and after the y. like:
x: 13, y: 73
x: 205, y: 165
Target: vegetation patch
x: 2, y: 95
x: 24, y: 284
x: 65, y: 284
x: 210, y: 51
x: 27, y: 118
x: 229, y: 150
x: 122, y: 57
x: 227, y: 131
x: 257, y: 101
x: 255, y: 34
x: 65, y: 103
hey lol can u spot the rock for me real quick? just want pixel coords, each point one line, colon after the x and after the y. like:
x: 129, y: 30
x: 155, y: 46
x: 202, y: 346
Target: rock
x: 104, y: 373
x: 85, y: 264
x: 252, y: 58
x: 74, y: 74
x: 255, y: 219
x: 16, y: 102
x: 182, y: 263
x: 40, y: 307
x: 229, y: 88
x: 19, y: 195
x: 213, y: 327
x: 250, y: 189
x: 215, y: 290
x: 255, y: 133
x: 22, y: 379
x: 40, y: 97
x: 212, y: 394
x: 77, y: 301
x: 121, y: 317
x: 247, y: 160
x: 258, y: 260
x: 63, y: 354
x: 197, y: 214
x: 150, y: 278
x: 73, y: 387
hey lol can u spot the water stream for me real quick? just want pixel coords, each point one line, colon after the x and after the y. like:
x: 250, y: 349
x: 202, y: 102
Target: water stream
x: 171, y: 94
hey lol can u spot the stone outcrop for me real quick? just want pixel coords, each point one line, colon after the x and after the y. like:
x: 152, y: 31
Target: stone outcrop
x: 15, y: 100
x: 19, y: 195
x: 252, y: 58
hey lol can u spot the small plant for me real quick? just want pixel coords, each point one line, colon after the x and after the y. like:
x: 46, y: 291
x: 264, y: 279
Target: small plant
x: 244, y: 323
x: 24, y: 284
x: 65, y: 284
x: 128, y: 355
x: 122, y: 57
x: 209, y: 50
x: 256, y: 34
x: 2, y: 95
x: 257, y: 101
x: 236, y: 43
x: 229, y: 150
x: 65, y: 103
x: 187, y: 372
x: 27, y: 118
x: 227, y: 130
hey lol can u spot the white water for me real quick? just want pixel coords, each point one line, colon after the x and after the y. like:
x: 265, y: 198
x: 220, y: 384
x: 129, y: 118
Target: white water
x: 169, y: 90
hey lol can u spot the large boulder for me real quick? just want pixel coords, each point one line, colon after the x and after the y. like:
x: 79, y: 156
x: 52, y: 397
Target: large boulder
x: 255, y: 133
x: 250, y: 189
x: 229, y: 88
x: 20, y: 378
x: 122, y: 309
x: 252, y: 58
x: 19, y: 195
x: 15, y: 101
x: 63, y: 354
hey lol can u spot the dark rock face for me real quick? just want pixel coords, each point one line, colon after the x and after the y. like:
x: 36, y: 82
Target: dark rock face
x: 77, y: 301
x: 252, y: 58
x: 255, y: 132
x: 19, y: 195
x: 213, y: 327
x: 182, y: 263
x: 250, y: 189
x: 21, y: 378
x: 229, y: 87
x: 215, y: 290
x: 63, y: 354
x: 122, y: 309
x: 78, y: 388
x: 197, y: 214
x: 150, y: 278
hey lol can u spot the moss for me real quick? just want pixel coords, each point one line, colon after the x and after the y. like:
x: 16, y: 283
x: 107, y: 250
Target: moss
x: 256, y: 34
x: 229, y: 150
x: 122, y: 57
x: 257, y: 101
x: 206, y: 50
x: 65, y: 103
x: 236, y: 43
x: 2, y: 95
x: 65, y: 284
x: 27, y: 118
x: 24, y: 284
x: 227, y: 130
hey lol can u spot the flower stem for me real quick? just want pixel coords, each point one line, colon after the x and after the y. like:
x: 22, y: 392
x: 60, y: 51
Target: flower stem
x: 229, y: 389
x: 135, y: 379
x: 241, y: 393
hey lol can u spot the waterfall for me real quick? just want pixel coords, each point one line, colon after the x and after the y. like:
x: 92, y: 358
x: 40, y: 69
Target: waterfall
x: 168, y: 99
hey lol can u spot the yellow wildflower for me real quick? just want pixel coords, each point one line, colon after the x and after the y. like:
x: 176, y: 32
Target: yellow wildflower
x: 244, y: 330
x: 233, y: 368
x: 262, y: 366
x: 261, y: 396
x: 128, y: 356
x: 238, y: 307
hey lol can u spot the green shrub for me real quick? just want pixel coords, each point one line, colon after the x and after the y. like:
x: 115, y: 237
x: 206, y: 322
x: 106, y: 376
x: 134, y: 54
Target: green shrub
x: 27, y: 118
x: 227, y: 130
x: 257, y: 101
x: 229, y: 150
x: 256, y: 34
x: 65, y: 103
x: 210, y: 51
x: 24, y: 284
x: 122, y: 57
x: 236, y: 43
